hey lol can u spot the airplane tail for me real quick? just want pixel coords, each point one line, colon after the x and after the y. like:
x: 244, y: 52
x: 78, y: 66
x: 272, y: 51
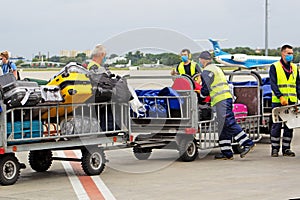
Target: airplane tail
x: 128, y: 64
x: 217, y: 50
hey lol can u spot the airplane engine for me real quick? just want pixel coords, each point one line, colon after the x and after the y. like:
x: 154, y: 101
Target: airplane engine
x: 239, y: 57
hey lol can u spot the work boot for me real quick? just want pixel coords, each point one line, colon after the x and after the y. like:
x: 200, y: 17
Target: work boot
x: 274, y: 153
x: 221, y: 156
x: 288, y: 153
x: 247, y: 149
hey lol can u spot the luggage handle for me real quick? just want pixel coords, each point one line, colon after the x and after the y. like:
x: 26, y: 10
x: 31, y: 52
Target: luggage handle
x: 55, y: 89
x: 26, y: 97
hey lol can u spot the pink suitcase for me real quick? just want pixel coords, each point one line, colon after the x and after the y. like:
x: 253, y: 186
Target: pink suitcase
x: 240, y: 111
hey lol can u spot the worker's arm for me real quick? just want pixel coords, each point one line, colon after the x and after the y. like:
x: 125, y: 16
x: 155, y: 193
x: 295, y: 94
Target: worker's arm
x: 15, y: 74
x: 175, y: 71
x: 273, y: 81
x: 298, y: 85
x: 207, y: 79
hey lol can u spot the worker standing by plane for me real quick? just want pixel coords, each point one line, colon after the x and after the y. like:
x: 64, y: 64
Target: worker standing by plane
x: 214, y: 83
x: 285, y: 85
x: 186, y: 66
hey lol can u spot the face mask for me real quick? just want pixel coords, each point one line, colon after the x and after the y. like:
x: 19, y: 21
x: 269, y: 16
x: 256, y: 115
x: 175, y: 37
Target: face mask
x: 184, y: 58
x: 200, y: 64
x: 289, y: 58
x: 103, y: 60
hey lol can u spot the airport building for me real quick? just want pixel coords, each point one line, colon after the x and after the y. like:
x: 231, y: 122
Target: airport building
x: 73, y: 53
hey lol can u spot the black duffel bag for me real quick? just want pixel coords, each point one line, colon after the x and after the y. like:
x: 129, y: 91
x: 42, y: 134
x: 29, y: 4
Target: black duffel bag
x: 205, y: 112
x: 108, y: 87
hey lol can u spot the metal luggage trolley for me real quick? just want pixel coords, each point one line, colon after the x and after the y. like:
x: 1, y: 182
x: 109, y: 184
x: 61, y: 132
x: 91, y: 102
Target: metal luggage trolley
x: 254, y: 124
x: 88, y: 128
x: 171, y: 129
x: 182, y: 130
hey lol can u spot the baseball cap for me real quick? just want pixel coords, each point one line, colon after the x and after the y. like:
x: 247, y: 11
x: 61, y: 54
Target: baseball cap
x: 205, y: 55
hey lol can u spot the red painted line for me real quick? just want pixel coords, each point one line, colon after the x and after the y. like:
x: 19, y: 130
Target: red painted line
x: 86, y: 181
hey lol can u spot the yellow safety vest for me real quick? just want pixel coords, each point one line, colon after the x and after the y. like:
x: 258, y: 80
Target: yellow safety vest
x: 219, y: 88
x: 192, y: 68
x: 286, y: 87
x: 92, y: 63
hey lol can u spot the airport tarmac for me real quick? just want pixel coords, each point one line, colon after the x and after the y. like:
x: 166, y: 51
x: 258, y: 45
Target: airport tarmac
x: 257, y: 176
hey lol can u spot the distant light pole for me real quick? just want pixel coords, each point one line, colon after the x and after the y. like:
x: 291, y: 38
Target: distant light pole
x: 266, y: 29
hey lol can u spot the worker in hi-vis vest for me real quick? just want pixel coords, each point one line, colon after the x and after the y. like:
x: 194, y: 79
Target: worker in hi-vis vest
x: 186, y: 66
x: 214, y: 84
x: 285, y: 85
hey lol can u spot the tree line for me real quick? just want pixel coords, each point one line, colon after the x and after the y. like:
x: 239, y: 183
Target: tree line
x: 169, y: 59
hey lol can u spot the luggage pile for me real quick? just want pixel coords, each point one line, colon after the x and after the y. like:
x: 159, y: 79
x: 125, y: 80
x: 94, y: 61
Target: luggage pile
x: 163, y: 103
x: 71, y: 86
x: 18, y: 93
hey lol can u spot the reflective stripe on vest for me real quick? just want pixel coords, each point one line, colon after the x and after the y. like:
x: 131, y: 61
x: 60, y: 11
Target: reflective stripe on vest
x: 192, y: 68
x: 219, y: 89
x: 286, y: 87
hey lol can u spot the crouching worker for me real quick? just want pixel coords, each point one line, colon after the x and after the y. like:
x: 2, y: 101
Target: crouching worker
x: 215, y: 85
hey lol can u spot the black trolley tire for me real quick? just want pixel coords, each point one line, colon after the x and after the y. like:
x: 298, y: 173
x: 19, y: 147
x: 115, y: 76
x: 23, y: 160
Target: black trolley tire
x: 188, y: 150
x: 40, y: 160
x: 10, y: 169
x: 93, y: 161
x: 142, y: 153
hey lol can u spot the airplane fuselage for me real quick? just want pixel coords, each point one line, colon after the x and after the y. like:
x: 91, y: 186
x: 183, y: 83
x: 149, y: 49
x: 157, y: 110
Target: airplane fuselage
x: 246, y: 61
x: 241, y: 60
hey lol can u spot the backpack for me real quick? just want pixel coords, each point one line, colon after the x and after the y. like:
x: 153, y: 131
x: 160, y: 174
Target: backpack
x: 10, y: 70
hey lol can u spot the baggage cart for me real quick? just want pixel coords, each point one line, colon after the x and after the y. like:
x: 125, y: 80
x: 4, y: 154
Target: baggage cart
x: 184, y: 131
x: 24, y: 129
x: 289, y: 115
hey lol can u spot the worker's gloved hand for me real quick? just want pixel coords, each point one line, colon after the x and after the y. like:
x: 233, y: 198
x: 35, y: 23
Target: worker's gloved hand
x: 283, y: 101
x: 174, y: 72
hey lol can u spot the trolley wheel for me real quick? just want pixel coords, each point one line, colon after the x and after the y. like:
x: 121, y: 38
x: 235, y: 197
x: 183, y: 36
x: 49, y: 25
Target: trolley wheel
x: 237, y: 149
x: 93, y: 161
x: 142, y: 153
x: 40, y: 160
x: 188, y: 150
x: 10, y: 169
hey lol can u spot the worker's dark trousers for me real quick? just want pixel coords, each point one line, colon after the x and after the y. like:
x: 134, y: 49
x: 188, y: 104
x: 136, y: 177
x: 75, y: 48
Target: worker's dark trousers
x: 276, y: 133
x: 228, y: 128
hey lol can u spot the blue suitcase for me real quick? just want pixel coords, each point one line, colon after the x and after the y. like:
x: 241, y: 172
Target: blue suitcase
x: 24, y: 130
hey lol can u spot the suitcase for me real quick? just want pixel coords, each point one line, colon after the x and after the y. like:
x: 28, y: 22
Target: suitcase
x: 7, y: 79
x: 74, y: 88
x: 240, y: 111
x: 24, y: 130
x: 21, y: 93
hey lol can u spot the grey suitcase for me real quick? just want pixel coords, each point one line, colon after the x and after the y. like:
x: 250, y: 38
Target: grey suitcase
x: 22, y: 93
x: 7, y: 79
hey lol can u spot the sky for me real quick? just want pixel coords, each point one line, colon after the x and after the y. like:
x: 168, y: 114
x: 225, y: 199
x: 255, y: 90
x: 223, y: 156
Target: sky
x: 32, y: 26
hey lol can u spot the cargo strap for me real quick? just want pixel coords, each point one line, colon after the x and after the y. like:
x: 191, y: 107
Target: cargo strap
x: 26, y: 97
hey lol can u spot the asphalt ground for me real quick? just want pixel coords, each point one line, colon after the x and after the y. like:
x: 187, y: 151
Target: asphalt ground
x: 257, y: 176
